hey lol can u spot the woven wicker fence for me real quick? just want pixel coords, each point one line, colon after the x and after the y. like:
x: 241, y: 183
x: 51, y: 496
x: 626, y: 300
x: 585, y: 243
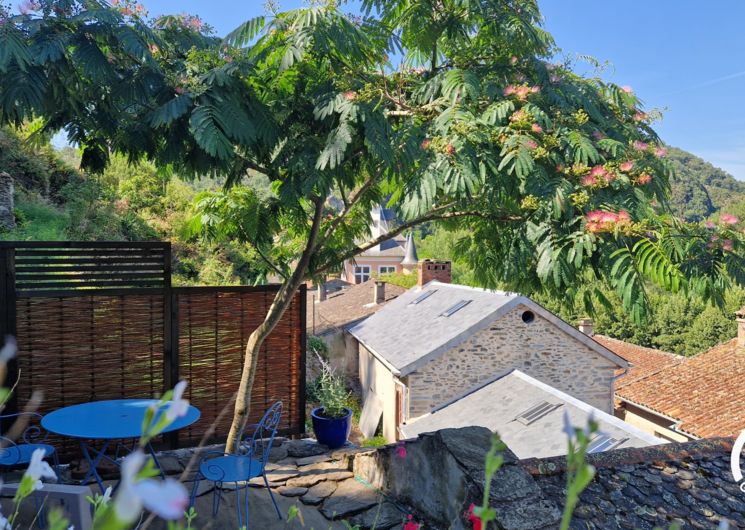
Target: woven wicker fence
x: 99, y: 321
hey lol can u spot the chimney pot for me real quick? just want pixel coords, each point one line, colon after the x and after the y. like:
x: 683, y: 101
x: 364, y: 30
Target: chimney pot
x: 431, y: 270
x: 740, y: 318
x: 585, y: 326
x: 321, y: 292
x: 379, y: 292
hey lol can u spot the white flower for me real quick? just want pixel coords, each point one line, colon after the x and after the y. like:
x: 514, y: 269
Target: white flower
x: 38, y: 468
x: 8, y: 351
x: 106, y: 497
x: 167, y: 498
x: 568, y: 427
x: 178, y: 406
x: 4, y: 524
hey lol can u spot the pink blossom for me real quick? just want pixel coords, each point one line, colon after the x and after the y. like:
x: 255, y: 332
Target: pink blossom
x: 559, y: 168
x: 474, y: 519
x: 627, y: 89
x: 661, y: 152
x: 610, y: 176
x: 531, y: 144
x: 522, y: 92
x: 727, y: 244
x: 509, y: 90
x: 350, y: 95
x: 640, y: 146
x: 536, y: 128
x: 179, y: 90
x: 640, y: 116
x: 554, y: 78
x: 450, y: 150
x: 520, y: 78
x: 426, y: 143
x: 195, y: 23
x: 728, y: 219
x: 518, y: 115
x: 513, y: 59
x: 644, y: 179
x: 623, y: 215
x: 535, y: 89
x: 410, y: 524
x: 598, y: 171
x: 594, y: 216
x: 589, y: 180
x: 626, y: 166
x: 609, y: 217
x: 401, y: 451
x: 710, y: 225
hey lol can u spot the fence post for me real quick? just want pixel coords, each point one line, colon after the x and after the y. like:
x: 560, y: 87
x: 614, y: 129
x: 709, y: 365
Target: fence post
x: 8, y: 317
x: 170, y: 336
x: 303, y: 350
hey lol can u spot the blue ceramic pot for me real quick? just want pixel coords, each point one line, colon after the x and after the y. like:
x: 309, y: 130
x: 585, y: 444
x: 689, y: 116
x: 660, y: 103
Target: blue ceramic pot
x: 332, y: 432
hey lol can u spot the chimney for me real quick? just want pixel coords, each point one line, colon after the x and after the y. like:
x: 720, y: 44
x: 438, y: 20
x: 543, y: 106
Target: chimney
x: 379, y: 292
x: 585, y: 326
x: 321, y: 292
x: 430, y: 270
x: 740, y: 318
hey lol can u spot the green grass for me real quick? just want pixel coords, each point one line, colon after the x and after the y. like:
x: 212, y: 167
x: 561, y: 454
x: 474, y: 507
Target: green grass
x: 375, y: 441
x: 38, y: 221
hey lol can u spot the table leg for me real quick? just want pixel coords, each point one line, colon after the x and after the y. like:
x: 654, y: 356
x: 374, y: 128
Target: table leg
x: 93, y: 463
x: 155, y: 460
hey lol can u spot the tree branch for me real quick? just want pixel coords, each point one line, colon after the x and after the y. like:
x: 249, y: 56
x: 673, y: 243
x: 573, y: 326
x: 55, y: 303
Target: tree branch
x: 437, y: 214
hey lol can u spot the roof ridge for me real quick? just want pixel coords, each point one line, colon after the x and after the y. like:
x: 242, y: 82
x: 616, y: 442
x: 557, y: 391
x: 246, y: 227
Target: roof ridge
x: 668, y: 353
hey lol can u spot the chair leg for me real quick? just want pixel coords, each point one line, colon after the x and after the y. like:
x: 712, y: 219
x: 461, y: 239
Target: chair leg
x: 245, y: 505
x: 271, y: 495
x: 238, y: 505
x: 195, y: 489
x: 216, y: 498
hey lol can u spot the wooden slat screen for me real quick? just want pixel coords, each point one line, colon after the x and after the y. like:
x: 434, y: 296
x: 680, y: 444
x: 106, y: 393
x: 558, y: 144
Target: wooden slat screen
x: 213, y: 328
x: 91, y: 327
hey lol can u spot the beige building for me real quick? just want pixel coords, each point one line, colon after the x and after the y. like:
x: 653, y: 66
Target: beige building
x: 438, y: 341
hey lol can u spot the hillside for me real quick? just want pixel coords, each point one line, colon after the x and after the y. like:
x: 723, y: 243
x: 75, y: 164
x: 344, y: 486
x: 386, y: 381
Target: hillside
x: 699, y: 188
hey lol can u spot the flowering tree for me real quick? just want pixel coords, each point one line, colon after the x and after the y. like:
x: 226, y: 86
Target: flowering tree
x: 558, y: 179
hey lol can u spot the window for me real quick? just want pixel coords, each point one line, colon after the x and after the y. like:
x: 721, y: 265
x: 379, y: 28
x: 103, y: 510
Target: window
x: 387, y: 269
x: 361, y: 273
x: 604, y: 442
x: 536, y: 412
x: 422, y: 297
x: 454, y: 309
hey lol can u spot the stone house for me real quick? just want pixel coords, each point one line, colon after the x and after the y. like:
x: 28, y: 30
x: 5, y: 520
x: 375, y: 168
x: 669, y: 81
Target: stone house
x: 437, y: 341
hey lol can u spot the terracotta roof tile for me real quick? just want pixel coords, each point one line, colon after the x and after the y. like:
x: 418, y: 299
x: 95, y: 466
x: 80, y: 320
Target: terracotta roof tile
x: 645, y: 361
x: 704, y: 392
x: 347, y: 306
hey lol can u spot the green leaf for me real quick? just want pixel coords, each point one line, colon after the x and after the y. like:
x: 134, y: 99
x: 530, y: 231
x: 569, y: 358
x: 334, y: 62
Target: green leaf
x: 170, y: 111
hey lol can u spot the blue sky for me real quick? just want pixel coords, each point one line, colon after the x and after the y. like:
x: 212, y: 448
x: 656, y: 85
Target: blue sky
x: 685, y: 57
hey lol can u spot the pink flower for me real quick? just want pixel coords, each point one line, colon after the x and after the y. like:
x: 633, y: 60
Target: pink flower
x: 426, y: 143
x: 350, y: 95
x: 513, y: 59
x: 640, y: 146
x: 661, y: 152
x: 474, y: 519
x: 627, y: 89
x: 450, y: 150
x: 535, y: 89
x: 410, y: 524
x: 594, y: 216
x: 710, y: 225
x: 559, y: 168
x: 598, y: 171
x: 610, y: 176
x: 626, y: 166
x: 623, y: 215
x: 522, y: 92
x: 179, y: 90
x: 644, y: 179
x: 609, y: 217
x: 536, y: 128
x: 640, y: 116
x: 554, y: 78
x: 518, y: 115
x: 509, y: 90
x: 401, y: 451
x: 727, y: 244
x: 728, y: 219
x: 531, y: 144
x: 520, y: 77
x: 589, y: 180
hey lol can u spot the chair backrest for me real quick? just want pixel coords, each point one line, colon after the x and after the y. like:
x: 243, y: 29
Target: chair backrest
x: 29, y: 433
x: 260, y: 443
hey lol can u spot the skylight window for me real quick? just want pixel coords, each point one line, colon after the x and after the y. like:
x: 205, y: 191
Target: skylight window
x: 422, y: 297
x: 455, y: 308
x: 603, y: 442
x: 536, y: 412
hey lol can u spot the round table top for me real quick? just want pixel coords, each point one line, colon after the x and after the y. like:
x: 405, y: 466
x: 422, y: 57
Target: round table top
x: 109, y: 420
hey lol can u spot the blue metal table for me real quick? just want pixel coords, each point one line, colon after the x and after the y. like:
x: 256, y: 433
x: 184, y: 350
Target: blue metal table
x: 108, y: 421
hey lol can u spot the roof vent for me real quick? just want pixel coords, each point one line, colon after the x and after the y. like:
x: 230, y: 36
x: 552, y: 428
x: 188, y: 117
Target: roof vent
x: 422, y: 297
x: 455, y: 308
x: 603, y: 442
x: 536, y: 412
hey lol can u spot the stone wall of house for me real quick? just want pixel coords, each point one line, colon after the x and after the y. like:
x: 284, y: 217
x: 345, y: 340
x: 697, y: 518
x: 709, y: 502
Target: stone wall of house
x: 538, y: 348
x: 377, y: 379
x: 7, y: 217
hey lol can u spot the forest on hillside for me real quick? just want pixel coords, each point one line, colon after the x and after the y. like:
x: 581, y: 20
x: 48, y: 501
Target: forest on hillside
x: 56, y: 201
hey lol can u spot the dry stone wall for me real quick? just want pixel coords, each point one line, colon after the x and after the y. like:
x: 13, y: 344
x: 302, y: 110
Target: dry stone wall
x: 538, y: 348
x: 7, y: 217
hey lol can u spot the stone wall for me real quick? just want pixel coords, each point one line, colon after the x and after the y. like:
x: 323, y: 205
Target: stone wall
x: 377, y: 379
x: 7, y: 217
x: 538, y: 348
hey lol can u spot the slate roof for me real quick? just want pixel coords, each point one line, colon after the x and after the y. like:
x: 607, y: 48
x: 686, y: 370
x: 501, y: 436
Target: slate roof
x: 394, y: 247
x: 644, y: 361
x: 498, y: 403
x: 704, y: 393
x: 406, y: 336
x: 347, y: 307
x: 689, y: 483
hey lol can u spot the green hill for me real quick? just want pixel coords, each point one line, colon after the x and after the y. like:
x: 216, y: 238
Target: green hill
x: 699, y: 188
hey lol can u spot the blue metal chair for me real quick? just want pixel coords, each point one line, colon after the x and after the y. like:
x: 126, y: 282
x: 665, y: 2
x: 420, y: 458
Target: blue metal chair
x: 237, y: 469
x: 18, y: 452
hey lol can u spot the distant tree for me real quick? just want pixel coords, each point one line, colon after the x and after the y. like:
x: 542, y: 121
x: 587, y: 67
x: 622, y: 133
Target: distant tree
x: 551, y: 174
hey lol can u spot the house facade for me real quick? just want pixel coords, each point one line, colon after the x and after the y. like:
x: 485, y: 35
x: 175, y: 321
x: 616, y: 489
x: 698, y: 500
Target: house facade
x: 438, y: 341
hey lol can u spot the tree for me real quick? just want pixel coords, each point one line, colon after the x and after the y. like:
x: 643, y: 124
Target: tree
x: 553, y: 175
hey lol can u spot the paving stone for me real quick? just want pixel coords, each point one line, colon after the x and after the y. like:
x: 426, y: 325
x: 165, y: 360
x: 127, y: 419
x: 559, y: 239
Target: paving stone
x: 281, y: 474
x: 381, y: 517
x: 170, y: 464
x: 305, y: 481
x: 278, y: 453
x: 305, y: 448
x: 322, y: 466
x: 350, y: 498
x: 312, y: 460
x: 289, y: 491
x: 205, y: 486
x: 320, y: 491
x: 289, y: 461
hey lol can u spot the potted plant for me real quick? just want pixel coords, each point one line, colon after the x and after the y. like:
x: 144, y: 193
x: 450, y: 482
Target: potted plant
x: 332, y: 420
